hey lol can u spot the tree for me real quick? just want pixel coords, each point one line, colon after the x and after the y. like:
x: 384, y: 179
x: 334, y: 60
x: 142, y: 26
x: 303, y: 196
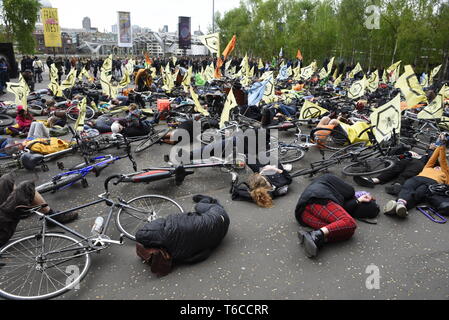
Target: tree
x: 19, y: 18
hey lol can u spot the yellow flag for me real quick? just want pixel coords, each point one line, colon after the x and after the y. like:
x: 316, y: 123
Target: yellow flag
x: 126, y: 80
x: 330, y: 65
x: 356, y: 70
x: 393, y: 72
x: 335, y: 74
x: 70, y: 81
x: 373, y: 81
x: 19, y: 93
x: 198, y: 107
x: 410, y: 87
x: 297, y: 73
x: 323, y: 73
x: 435, y: 109
x: 387, y: 119
x: 230, y: 104
x: 357, y: 89
x: 79, y: 124
x: 311, y: 111
x: 269, y: 94
x: 261, y: 66
x: 434, y: 73
x: 307, y: 72
x: 338, y: 80
x: 425, y: 81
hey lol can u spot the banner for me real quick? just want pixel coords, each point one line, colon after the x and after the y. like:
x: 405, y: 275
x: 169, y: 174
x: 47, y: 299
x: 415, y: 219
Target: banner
x: 230, y: 104
x: 52, y: 30
x: 211, y: 42
x: 357, y: 69
x: 307, y: 72
x: 387, y: 119
x: 410, y: 87
x: 435, y: 109
x: 311, y: 111
x: 184, y: 33
x: 125, y: 35
x: 357, y: 89
x: 373, y: 81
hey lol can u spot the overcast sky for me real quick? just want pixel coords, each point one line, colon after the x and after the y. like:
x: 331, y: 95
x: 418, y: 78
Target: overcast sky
x: 145, y: 13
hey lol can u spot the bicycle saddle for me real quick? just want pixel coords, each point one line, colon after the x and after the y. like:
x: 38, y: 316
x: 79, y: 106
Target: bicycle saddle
x: 31, y: 161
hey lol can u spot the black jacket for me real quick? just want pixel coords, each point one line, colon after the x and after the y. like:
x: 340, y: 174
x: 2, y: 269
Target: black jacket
x: 325, y: 188
x: 188, y: 237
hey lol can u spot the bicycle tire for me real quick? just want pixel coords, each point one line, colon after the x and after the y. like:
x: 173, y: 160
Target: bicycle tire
x: 73, y: 113
x: 5, y: 120
x: 131, y: 223
x: 61, y: 183
x: 348, y: 149
x: 290, y: 154
x: 9, y: 252
x: 36, y: 110
x: 368, y: 167
x: 152, y: 140
x: 335, y: 140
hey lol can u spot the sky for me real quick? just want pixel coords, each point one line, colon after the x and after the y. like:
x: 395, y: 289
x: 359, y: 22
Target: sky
x: 153, y: 14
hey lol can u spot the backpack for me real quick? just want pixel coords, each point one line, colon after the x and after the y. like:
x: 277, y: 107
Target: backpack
x: 47, y: 146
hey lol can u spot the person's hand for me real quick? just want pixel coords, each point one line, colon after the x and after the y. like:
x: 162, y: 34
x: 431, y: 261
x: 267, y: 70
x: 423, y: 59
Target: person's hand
x: 365, y: 198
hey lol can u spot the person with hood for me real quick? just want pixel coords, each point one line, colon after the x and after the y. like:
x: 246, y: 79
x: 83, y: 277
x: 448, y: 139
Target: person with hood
x: 329, y: 205
x: 23, y: 123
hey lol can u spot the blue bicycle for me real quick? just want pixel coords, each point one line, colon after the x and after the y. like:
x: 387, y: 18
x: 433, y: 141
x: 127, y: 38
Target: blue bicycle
x: 78, y: 173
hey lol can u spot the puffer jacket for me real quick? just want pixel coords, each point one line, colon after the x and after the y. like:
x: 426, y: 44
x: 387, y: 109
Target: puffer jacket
x: 190, y: 237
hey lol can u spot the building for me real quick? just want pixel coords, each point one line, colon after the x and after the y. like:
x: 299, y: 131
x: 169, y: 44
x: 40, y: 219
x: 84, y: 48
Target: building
x: 114, y: 28
x: 87, y: 24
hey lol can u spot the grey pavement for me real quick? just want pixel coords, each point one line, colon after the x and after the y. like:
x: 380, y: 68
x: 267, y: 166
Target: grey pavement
x: 261, y: 257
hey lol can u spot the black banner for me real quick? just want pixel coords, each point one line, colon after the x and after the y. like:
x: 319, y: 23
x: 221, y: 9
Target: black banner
x: 185, y: 33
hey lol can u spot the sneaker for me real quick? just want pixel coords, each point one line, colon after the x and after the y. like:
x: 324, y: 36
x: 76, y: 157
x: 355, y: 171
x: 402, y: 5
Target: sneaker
x: 364, y: 182
x: 390, y: 208
x: 401, y: 210
x: 63, y: 218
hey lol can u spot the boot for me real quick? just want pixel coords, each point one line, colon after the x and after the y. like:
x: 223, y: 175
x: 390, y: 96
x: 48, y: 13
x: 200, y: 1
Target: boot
x: 63, y: 218
x: 312, y: 242
x: 394, y: 189
x: 364, y: 182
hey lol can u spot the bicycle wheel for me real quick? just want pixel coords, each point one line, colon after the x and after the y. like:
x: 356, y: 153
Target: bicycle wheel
x: 290, y: 154
x: 42, y: 267
x: 6, y: 120
x: 74, y: 112
x: 425, y: 138
x: 329, y: 138
x: 368, y: 167
x: 356, y: 147
x: 152, y: 140
x: 143, y: 210
x: 36, y: 110
x: 59, y: 184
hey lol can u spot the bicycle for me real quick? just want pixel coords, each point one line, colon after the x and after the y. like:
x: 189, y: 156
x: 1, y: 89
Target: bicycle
x: 78, y: 173
x: 34, y: 267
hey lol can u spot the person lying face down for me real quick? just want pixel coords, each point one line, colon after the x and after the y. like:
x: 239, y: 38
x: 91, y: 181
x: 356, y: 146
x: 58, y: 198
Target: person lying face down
x: 330, y: 206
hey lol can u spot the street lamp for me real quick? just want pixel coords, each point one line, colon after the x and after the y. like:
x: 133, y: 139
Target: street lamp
x: 213, y: 16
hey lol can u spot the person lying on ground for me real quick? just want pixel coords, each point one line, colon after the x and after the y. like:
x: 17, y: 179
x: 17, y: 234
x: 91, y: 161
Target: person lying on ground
x: 329, y: 205
x: 342, y: 131
x: 407, y: 165
x: 22, y: 194
x: 23, y: 123
x: 416, y: 190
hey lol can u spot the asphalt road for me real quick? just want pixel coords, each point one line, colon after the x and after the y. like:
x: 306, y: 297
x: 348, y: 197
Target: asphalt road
x: 261, y: 257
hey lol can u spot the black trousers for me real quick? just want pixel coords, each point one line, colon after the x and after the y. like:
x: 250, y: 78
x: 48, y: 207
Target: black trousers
x: 402, y: 171
x: 416, y: 191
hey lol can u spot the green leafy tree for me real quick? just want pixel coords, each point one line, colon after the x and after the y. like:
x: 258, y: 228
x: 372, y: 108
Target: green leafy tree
x: 19, y: 18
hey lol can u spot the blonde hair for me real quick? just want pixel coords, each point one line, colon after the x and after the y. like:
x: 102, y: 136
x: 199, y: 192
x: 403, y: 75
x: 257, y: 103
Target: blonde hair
x: 259, y: 187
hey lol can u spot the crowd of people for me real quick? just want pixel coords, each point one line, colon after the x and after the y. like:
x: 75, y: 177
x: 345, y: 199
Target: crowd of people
x: 329, y: 205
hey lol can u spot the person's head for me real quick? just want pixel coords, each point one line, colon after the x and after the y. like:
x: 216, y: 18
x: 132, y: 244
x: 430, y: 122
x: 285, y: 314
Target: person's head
x: 21, y: 110
x: 133, y: 107
x: 259, y: 187
x: 366, y: 210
